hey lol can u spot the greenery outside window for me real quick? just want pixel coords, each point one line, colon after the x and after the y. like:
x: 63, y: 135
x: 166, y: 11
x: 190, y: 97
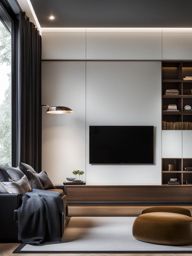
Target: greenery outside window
x: 5, y: 90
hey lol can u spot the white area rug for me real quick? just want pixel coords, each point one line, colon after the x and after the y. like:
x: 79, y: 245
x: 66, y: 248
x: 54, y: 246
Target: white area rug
x: 101, y: 235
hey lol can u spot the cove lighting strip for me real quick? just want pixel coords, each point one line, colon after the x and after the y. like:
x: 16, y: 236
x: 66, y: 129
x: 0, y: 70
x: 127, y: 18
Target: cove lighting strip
x: 62, y: 29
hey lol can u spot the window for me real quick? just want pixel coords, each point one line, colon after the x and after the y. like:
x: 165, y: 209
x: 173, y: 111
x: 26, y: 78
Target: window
x: 5, y: 88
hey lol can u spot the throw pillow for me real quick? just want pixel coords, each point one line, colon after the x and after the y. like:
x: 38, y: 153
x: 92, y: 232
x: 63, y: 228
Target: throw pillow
x: 31, y: 175
x: 24, y: 166
x: 3, y: 174
x: 2, y: 188
x: 14, y: 173
x: 19, y: 187
x: 45, y: 180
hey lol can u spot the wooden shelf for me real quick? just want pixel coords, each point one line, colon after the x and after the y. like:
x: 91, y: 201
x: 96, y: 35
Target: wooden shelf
x: 171, y: 112
x: 172, y: 96
x: 172, y: 80
x: 177, y: 81
x: 185, y: 96
x: 187, y: 81
x: 172, y: 172
x: 169, y: 172
x: 187, y: 113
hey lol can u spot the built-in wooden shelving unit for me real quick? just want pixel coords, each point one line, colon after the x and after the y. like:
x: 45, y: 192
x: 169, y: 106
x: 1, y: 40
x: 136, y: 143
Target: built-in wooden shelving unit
x: 177, y: 168
x: 177, y: 93
x: 174, y: 75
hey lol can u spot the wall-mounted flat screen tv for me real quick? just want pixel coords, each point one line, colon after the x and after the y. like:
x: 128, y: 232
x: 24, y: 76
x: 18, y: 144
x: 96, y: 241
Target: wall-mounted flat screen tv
x: 121, y: 144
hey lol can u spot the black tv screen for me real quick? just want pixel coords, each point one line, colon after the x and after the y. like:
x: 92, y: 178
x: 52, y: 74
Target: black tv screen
x: 121, y: 145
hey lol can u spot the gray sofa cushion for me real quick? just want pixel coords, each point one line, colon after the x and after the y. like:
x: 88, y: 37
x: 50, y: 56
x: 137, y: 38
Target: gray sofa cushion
x: 3, y: 174
x: 2, y: 188
x: 14, y: 173
x: 24, y: 166
x: 31, y: 175
x: 17, y: 187
x: 46, y: 182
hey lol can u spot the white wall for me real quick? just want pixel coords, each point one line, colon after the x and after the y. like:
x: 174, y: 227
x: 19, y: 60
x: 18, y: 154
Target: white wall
x: 108, y: 93
x: 124, y: 93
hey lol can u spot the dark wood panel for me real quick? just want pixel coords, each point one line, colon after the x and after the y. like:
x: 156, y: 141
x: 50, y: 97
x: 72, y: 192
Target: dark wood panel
x: 129, y: 194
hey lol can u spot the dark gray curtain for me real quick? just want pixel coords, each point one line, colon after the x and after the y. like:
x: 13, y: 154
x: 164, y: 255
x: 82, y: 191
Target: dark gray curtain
x: 29, y: 93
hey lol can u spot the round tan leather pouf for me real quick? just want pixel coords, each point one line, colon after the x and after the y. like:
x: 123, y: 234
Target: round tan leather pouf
x: 173, y: 209
x: 163, y: 228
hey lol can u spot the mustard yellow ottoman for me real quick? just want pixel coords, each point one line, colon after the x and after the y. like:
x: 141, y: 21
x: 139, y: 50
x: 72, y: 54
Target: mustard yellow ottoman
x: 165, y: 228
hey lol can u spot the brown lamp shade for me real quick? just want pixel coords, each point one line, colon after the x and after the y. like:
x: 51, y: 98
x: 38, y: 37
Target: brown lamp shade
x: 58, y: 110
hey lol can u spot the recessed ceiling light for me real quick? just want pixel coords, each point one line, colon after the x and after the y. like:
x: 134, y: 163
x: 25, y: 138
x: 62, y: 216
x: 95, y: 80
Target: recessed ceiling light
x: 51, y: 17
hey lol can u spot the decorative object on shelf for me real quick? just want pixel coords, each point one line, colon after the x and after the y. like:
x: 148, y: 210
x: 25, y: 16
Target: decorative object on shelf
x: 171, y: 92
x: 57, y: 110
x: 171, y: 167
x: 70, y: 179
x: 76, y: 182
x: 187, y: 78
x: 78, y: 172
x: 187, y: 108
x: 173, y: 181
x: 188, y: 168
x: 172, y: 107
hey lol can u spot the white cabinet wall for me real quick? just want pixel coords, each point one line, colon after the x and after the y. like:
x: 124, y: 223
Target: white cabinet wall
x: 171, y: 144
x: 124, y: 45
x: 63, y: 45
x: 187, y: 144
x: 130, y: 44
x: 176, y: 45
x: 77, y: 84
x: 176, y: 144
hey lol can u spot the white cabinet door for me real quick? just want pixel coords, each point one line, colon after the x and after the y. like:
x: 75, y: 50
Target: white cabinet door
x: 128, y: 45
x: 63, y: 45
x: 171, y: 144
x: 177, y: 45
x: 63, y: 136
x: 187, y: 144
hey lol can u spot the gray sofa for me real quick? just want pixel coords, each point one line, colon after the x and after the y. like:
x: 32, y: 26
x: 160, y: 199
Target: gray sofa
x: 9, y: 203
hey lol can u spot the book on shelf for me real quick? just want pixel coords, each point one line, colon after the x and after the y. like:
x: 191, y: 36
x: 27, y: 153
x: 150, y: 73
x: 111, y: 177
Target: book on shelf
x: 172, y: 107
x: 171, y: 92
x: 187, y: 78
x: 176, y: 125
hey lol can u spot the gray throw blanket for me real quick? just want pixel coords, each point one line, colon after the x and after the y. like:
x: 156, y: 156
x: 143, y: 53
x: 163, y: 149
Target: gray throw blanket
x: 40, y: 217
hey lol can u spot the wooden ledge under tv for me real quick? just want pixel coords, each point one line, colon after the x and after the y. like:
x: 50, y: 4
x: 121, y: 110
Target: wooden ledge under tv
x: 115, y: 200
